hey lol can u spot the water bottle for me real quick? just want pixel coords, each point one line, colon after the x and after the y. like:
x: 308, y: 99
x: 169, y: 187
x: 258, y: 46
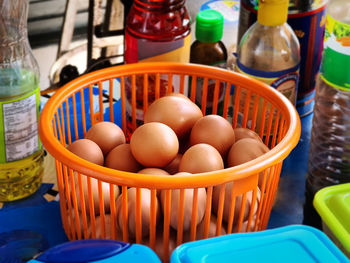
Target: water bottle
x: 329, y: 154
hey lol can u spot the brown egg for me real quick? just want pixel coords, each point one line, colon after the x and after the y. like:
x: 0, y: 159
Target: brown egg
x: 188, y: 205
x: 154, y: 144
x: 178, y: 113
x: 155, y: 171
x: 211, y: 230
x: 214, y: 130
x: 95, y: 194
x: 121, y: 158
x: 87, y: 150
x: 173, y: 166
x: 238, y: 203
x: 145, y: 211
x: 177, y: 94
x: 106, y: 134
x: 245, y: 150
x: 241, y: 133
x: 201, y: 158
x: 108, y: 229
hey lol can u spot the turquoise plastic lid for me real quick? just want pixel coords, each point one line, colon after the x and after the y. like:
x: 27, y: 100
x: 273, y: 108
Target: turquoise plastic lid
x: 295, y: 243
x: 333, y: 205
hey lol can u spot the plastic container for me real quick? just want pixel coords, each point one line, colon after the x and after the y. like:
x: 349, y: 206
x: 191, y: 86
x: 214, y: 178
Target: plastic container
x: 295, y: 243
x: 21, y: 153
x: 97, y: 250
x: 329, y: 156
x: 83, y: 224
x: 333, y: 205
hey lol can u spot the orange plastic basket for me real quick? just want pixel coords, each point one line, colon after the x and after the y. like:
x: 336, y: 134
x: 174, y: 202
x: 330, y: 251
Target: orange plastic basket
x: 99, y: 93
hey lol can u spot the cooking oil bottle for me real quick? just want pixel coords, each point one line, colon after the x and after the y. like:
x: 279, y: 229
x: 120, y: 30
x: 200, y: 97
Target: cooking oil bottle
x: 21, y: 153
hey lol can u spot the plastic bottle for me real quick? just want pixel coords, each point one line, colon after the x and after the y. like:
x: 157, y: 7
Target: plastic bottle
x: 269, y: 50
x: 307, y: 19
x: 155, y: 30
x: 208, y: 49
x: 21, y: 153
x: 329, y: 153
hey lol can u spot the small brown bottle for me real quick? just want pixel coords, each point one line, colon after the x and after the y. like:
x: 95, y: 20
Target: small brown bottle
x: 208, y: 49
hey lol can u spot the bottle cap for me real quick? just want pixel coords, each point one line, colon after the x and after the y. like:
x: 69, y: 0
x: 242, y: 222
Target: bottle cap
x: 273, y: 12
x: 209, y: 26
x: 335, y: 68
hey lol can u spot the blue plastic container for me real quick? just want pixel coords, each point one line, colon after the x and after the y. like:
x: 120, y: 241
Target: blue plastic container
x: 97, y: 250
x: 295, y: 243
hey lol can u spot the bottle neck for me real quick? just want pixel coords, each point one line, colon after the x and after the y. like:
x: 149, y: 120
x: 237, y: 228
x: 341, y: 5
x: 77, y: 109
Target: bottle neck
x: 159, y: 5
x: 272, y: 13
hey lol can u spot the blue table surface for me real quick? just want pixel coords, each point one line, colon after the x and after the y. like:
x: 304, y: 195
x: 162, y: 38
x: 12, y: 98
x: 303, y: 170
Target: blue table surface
x: 33, y: 225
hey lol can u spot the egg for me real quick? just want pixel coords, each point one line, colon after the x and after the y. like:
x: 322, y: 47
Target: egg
x: 241, y: 133
x: 215, y: 131
x: 201, y: 228
x: 177, y: 112
x: 187, y: 208
x: 105, y: 187
x: 238, y: 203
x: 108, y: 229
x: 87, y: 150
x: 145, y: 211
x: 245, y: 150
x: 173, y: 166
x: 106, y: 135
x: 121, y: 158
x: 155, y: 171
x: 154, y: 144
x: 201, y: 158
x: 244, y: 227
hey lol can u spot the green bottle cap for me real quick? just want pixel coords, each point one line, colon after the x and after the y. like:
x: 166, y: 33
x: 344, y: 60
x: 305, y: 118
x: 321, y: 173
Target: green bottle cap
x: 336, y: 68
x: 209, y: 26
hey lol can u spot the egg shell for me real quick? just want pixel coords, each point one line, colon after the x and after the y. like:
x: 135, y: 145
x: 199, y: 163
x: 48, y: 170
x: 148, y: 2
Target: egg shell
x: 154, y: 144
x: 106, y: 134
x: 215, y: 131
x: 238, y: 203
x: 201, y: 228
x: 108, y: 228
x: 121, y: 158
x: 188, y: 205
x: 241, y: 133
x: 145, y: 211
x: 95, y: 193
x: 245, y: 150
x: 155, y: 171
x: 177, y: 112
x: 173, y: 166
x: 87, y: 150
x: 201, y: 158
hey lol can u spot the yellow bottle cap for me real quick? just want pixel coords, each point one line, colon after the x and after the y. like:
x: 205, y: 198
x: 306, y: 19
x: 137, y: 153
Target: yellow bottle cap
x: 273, y: 12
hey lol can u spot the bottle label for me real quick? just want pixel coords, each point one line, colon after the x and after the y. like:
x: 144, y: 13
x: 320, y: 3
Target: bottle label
x: 19, y: 127
x: 285, y: 81
x: 336, y: 57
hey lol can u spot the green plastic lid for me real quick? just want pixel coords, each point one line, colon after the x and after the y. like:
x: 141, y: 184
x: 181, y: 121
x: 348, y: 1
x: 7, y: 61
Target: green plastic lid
x: 335, y: 68
x: 333, y: 205
x: 209, y: 26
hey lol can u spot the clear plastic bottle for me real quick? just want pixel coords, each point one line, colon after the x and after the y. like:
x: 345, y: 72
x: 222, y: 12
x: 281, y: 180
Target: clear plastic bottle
x: 208, y: 49
x: 21, y: 153
x: 269, y: 51
x: 329, y: 154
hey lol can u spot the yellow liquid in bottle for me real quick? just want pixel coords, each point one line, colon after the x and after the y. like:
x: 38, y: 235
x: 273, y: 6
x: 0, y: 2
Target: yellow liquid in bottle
x: 21, y: 178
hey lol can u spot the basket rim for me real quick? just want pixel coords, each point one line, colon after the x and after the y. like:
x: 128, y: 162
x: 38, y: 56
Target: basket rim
x: 60, y: 153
